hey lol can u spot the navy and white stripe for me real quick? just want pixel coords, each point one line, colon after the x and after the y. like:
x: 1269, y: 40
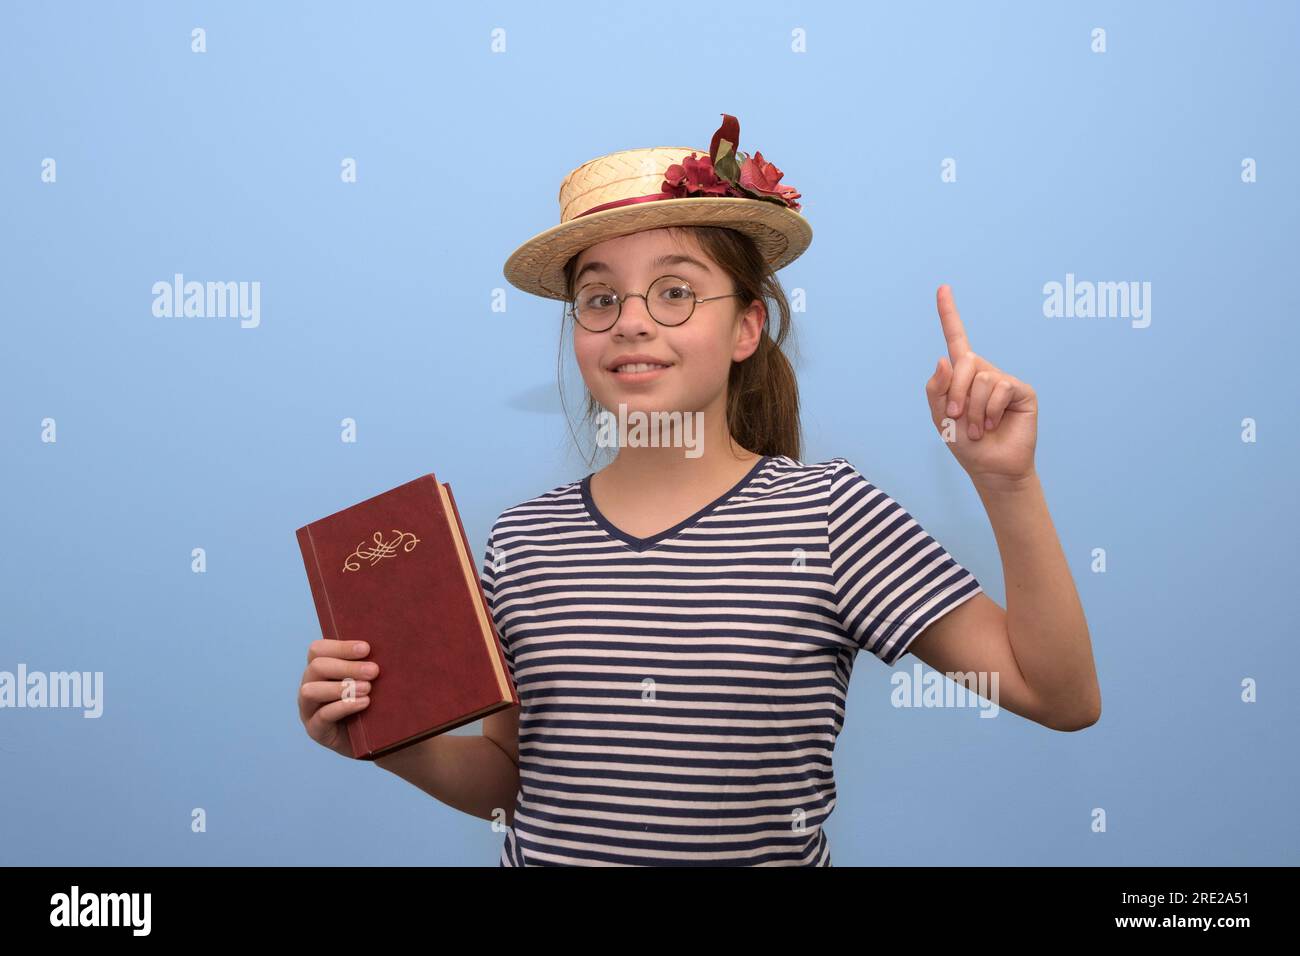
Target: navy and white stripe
x: 681, y: 694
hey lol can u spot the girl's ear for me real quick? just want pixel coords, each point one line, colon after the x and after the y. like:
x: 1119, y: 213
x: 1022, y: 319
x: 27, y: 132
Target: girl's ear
x: 749, y: 331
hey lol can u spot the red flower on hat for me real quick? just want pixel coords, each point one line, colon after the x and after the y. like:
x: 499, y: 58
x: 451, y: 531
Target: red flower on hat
x: 760, y: 176
x: 725, y: 172
x: 694, y: 177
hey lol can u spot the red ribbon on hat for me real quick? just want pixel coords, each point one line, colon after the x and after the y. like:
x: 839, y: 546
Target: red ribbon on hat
x: 724, y: 172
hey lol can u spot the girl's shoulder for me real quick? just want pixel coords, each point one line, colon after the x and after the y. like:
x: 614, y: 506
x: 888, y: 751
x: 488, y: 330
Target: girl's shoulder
x: 829, y: 466
x: 558, y: 502
x: 832, y: 470
x: 785, y: 480
x: 833, y: 480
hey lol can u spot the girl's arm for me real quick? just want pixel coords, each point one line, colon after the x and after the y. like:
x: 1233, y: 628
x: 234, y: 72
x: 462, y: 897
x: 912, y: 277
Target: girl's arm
x: 476, y: 774
x: 1039, y: 647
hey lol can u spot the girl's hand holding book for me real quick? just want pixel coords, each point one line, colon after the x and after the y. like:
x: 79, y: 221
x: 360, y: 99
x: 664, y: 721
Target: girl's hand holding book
x: 335, y: 684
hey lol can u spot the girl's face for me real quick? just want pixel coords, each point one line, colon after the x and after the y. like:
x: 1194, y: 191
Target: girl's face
x: 698, y: 353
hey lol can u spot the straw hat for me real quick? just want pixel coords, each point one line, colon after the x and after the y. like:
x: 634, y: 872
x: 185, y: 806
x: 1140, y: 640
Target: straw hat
x: 658, y: 186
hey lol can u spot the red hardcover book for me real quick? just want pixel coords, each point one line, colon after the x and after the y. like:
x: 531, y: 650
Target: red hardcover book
x: 396, y: 571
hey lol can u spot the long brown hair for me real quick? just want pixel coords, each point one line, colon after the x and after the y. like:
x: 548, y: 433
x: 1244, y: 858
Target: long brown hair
x: 762, y: 392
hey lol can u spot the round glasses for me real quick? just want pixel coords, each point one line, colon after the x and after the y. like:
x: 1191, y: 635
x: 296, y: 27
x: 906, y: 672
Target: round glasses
x: 670, y: 300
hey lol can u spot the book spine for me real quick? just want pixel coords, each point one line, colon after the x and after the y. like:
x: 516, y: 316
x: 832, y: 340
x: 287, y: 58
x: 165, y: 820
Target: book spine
x: 329, y: 630
x: 478, y: 584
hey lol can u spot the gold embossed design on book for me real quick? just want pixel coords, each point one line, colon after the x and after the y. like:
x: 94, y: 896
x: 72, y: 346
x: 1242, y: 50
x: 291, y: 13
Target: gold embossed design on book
x: 382, y: 549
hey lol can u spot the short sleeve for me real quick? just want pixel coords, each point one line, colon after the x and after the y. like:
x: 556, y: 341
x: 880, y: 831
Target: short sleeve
x: 891, y: 578
x: 493, y: 564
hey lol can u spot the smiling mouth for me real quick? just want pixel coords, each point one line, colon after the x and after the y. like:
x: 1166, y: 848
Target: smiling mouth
x: 638, y: 367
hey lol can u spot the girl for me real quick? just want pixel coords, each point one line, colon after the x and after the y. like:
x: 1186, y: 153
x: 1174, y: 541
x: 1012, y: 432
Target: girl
x: 681, y: 624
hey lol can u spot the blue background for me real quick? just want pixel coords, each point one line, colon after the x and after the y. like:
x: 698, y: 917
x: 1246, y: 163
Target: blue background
x: 376, y: 305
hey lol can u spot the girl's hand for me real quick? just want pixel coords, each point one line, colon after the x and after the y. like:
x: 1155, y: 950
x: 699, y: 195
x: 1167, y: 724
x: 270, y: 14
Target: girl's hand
x: 335, y: 685
x: 989, y: 419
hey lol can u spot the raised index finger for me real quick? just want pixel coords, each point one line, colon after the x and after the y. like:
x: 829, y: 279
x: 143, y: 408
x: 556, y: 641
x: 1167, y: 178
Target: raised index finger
x: 953, y: 331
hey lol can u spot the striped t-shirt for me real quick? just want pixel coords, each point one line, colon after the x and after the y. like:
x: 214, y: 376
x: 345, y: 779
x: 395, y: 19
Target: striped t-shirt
x: 680, y: 695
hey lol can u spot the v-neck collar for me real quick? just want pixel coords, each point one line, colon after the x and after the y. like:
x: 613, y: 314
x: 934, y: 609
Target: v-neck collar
x: 644, y: 544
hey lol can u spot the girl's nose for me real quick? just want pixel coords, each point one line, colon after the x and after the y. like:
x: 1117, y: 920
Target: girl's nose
x: 634, y: 313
